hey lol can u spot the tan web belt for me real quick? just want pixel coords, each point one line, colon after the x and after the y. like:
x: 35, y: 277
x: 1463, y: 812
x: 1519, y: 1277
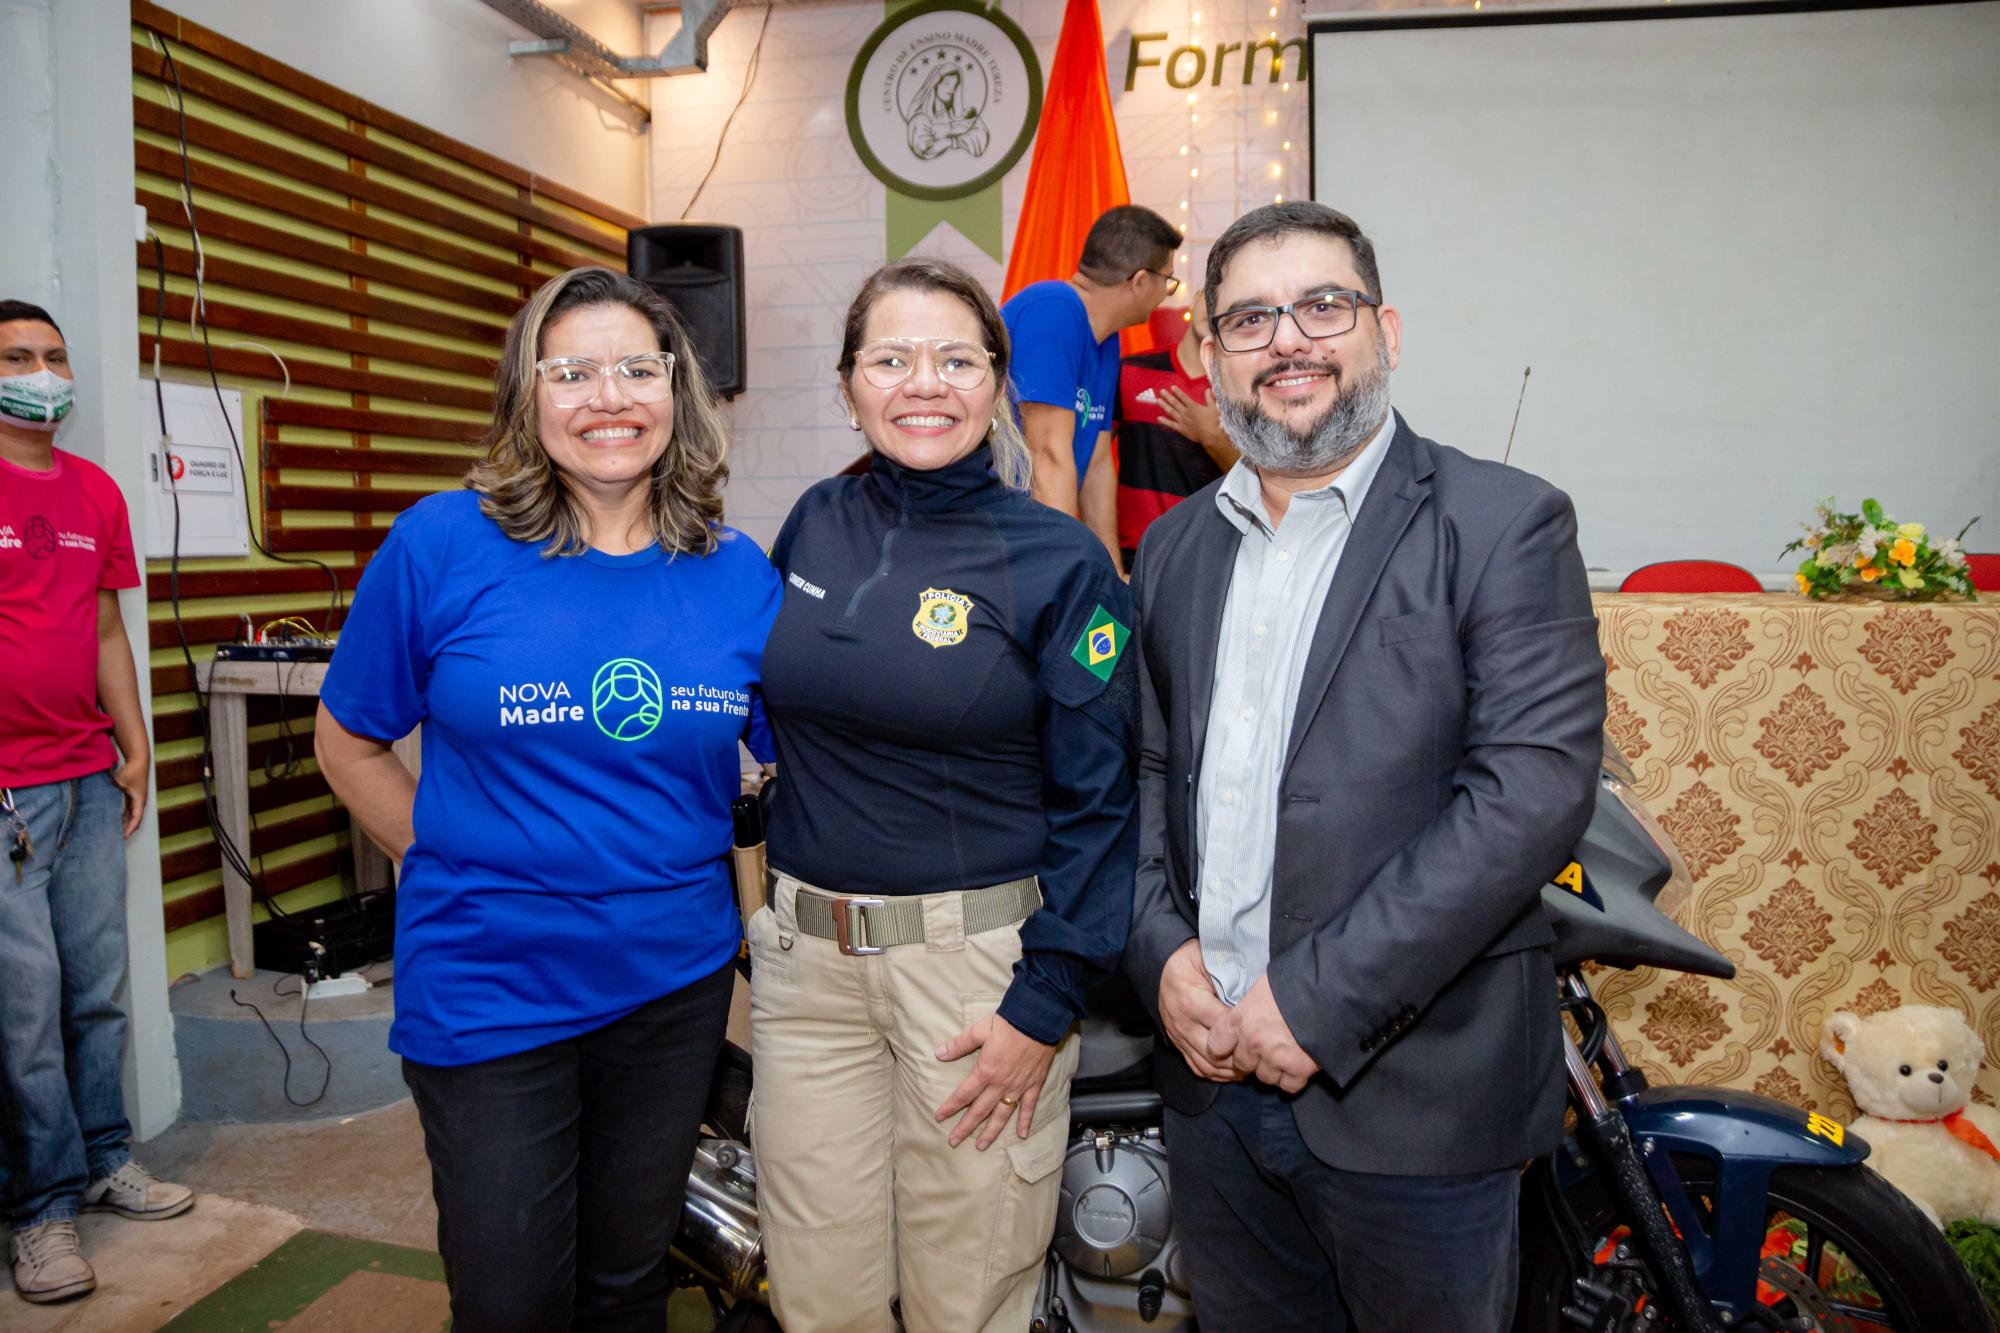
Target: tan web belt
x: 870, y: 925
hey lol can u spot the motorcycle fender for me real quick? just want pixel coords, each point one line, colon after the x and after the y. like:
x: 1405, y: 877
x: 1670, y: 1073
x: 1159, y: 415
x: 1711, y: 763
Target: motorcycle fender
x: 1723, y: 1124
x: 1746, y: 1137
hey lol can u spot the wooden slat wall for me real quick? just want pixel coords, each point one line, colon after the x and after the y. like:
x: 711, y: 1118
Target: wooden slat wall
x: 381, y: 260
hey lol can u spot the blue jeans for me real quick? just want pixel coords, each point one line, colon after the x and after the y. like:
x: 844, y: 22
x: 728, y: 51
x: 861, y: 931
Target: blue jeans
x: 62, y: 1034
x: 1277, y: 1241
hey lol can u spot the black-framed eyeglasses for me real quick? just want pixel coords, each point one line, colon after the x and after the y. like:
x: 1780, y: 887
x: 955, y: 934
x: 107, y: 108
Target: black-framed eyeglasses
x: 1173, y: 283
x: 1327, y: 314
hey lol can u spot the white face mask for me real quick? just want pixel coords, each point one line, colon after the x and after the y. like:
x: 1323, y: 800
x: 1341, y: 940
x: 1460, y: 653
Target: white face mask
x: 37, y: 401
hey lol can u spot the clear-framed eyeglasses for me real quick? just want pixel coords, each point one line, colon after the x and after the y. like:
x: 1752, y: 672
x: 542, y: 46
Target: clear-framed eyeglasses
x: 574, y: 381
x: 887, y: 362
x: 1327, y: 314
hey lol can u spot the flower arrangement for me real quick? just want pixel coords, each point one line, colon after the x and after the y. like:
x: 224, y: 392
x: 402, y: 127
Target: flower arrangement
x: 1869, y: 552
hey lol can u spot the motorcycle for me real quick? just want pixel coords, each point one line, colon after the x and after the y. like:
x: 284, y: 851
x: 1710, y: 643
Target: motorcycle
x: 1701, y: 1209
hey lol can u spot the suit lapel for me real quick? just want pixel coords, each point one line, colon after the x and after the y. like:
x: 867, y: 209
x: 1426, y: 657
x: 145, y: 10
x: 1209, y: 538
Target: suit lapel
x: 1399, y: 490
x: 1213, y: 562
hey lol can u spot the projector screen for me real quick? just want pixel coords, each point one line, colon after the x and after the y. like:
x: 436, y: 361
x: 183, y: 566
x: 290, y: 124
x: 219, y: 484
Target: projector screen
x: 1753, y: 258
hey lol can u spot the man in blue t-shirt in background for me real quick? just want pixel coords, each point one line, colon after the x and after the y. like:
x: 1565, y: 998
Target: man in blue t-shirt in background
x: 1065, y: 371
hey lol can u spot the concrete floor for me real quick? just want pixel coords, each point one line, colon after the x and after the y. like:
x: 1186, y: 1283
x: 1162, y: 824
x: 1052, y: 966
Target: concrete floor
x: 364, y: 1175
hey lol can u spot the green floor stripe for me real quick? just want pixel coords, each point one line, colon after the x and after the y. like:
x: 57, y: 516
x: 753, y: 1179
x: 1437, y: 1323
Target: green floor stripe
x: 293, y: 1276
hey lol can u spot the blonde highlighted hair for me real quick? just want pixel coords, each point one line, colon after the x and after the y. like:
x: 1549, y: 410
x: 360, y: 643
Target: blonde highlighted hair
x: 520, y: 487
x: 1010, y: 450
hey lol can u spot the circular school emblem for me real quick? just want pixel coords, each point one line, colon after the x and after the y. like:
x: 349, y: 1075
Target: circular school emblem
x: 942, y: 618
x: 943, y: 98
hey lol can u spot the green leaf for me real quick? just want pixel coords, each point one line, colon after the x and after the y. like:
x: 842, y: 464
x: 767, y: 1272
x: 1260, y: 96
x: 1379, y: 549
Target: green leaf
x: 1872, y: 511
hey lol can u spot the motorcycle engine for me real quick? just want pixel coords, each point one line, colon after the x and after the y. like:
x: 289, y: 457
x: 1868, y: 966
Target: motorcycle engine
x: 1113, y: 1219
x: 1116, y: 1265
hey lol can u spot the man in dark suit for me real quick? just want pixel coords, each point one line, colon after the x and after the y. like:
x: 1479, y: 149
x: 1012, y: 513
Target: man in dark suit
x: 1372, y: 697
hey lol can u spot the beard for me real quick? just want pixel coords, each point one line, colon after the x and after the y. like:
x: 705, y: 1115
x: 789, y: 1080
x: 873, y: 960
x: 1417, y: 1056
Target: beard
x: 1323, y: 446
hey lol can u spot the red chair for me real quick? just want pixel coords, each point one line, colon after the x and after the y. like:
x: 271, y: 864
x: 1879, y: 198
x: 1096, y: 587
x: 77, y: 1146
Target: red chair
x: 1691, y: 576
x: 1167, y: 327
x: 1985, y: 570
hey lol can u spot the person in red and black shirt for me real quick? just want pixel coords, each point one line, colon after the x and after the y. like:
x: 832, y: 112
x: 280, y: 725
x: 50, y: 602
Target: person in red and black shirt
x: 1170, y: 438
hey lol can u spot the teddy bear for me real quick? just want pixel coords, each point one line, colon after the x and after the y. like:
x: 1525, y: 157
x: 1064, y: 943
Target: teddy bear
x: 1911, y: 1071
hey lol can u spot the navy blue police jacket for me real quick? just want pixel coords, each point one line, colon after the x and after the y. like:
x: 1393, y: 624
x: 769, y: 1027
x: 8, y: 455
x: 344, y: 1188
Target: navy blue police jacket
x: 951, y: 700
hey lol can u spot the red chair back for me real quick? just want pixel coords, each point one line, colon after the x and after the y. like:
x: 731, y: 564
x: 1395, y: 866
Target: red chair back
x: 1985, y: 570
x: 1691, y: 576
x: 1167, y: 326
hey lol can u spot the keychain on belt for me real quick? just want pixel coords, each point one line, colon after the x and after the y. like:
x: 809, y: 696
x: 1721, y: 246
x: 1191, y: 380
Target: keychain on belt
x: 23, y: 846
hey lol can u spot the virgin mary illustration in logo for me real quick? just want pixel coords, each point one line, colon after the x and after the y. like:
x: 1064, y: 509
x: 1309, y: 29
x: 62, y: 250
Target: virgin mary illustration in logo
x: 943, y: 112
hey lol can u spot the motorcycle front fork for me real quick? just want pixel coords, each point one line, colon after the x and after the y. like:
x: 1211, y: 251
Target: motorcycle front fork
x: 1607, y: 1141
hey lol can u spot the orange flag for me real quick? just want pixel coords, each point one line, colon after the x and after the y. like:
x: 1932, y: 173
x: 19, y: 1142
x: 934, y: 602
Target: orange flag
x: 1077, y: 170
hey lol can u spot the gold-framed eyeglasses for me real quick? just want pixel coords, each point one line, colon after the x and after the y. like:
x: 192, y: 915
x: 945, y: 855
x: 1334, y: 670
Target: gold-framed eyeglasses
x: 887, y: 362
x: 575, y: 381
x: 1173, y: 283
x: 1327, y: 314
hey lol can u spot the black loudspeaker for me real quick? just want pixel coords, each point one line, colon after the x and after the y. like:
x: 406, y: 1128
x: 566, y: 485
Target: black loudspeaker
x: 698, y: 268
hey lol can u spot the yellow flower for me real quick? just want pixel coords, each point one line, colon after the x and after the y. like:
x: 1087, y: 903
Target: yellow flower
x: 1910, y: 579
x: 1904, y: 552
x: 1914, y: 531
x: 1869, y: 573
x: 1805, y: 584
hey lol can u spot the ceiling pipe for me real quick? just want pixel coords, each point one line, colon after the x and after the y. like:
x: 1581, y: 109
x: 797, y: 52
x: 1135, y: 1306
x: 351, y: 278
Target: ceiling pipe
x: 685, y: 53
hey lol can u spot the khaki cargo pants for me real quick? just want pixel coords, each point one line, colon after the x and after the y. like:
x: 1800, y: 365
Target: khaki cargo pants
x: 861, y: 1198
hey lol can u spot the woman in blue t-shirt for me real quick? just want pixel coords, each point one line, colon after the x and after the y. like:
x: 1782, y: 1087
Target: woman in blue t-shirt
x: 581, y: 639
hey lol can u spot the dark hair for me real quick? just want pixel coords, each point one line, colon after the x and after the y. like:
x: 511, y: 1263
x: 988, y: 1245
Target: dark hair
x: 1123, y: 241
x: 1299, y: 215
x: 13, y: 310
x: 519, y: 486
x: 1010, y: 451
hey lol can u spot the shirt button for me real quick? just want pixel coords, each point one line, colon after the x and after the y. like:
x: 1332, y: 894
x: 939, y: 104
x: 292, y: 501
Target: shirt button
x: 1259, y: 631
x: 1283, y: 555
x: 1249, y: 714
x: 1229, y: 798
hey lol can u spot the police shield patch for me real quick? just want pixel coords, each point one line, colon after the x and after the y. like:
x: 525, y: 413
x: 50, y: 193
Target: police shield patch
x: 942, y: 618
x: 1103, y: 639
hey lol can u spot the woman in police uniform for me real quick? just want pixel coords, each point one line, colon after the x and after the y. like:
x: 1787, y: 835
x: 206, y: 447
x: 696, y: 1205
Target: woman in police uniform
x: 951, y: 845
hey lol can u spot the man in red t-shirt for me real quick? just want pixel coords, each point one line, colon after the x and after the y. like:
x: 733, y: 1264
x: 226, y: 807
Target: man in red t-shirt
x: 73, y: 771
x: 1170, y: 437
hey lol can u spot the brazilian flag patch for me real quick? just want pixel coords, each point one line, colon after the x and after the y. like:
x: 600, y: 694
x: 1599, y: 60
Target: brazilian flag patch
x: 1103, y: 639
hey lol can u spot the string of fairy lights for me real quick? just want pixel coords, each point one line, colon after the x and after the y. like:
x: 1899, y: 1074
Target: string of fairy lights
x: 1273, y: 173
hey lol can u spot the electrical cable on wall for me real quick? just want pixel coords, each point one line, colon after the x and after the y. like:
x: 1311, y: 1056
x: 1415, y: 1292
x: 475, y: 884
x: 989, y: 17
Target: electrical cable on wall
x: 225, y: 845
x: 749, y: 78
x: 200, y: 321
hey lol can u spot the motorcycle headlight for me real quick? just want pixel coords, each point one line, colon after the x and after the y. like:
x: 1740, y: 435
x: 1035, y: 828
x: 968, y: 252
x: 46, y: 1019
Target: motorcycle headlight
x: 1619, y: 780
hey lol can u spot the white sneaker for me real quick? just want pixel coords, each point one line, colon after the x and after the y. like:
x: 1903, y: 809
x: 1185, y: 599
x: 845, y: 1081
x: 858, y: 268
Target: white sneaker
x: 133, y: 1191
x: 49, y: 1263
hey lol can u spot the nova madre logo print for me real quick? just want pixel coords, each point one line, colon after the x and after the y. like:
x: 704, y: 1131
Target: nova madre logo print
x: 942, y: 99
x: 626, y: 700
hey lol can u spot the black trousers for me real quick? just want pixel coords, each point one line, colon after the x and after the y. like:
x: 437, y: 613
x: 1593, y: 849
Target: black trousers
x: 559, y: 1172
x: 1277, y: 1241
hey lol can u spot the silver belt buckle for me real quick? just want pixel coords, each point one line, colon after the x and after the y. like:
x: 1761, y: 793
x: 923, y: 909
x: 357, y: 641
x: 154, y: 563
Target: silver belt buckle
x: 850, y: 925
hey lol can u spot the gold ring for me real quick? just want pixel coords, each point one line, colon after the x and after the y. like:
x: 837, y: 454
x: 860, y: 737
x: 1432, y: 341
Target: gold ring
x: 1010, y: 1102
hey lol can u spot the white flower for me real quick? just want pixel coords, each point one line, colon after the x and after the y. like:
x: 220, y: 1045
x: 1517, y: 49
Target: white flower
x: 1865, y: 548
x: 1841, y: 553
x: 1955, y: 558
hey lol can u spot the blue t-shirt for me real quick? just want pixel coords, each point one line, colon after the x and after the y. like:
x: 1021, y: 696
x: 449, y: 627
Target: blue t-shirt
x: 1059, y: 361
x: 581, y: 717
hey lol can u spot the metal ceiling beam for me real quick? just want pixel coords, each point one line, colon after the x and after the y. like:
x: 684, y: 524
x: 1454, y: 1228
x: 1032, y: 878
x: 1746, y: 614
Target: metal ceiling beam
x: 685, y: 53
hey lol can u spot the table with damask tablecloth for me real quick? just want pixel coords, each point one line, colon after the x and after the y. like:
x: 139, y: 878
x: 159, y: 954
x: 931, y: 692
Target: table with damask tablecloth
x: 1831, y: 772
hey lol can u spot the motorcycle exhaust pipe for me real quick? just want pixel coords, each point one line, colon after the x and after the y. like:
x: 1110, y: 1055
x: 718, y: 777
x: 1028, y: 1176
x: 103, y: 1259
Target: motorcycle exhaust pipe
x: 719, y: 1238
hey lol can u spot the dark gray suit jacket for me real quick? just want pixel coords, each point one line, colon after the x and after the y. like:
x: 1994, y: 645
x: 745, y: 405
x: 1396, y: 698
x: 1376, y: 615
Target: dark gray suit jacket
x: 1442, y: 764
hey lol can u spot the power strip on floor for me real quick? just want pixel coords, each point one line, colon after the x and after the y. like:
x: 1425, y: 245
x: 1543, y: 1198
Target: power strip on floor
x: 347, y: 983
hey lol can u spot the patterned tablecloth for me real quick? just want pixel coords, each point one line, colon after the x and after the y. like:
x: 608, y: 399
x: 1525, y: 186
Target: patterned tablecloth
x: 1831, y: 772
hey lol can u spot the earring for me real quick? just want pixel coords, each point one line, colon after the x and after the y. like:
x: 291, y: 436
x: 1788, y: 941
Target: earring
x: 854, y: 423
